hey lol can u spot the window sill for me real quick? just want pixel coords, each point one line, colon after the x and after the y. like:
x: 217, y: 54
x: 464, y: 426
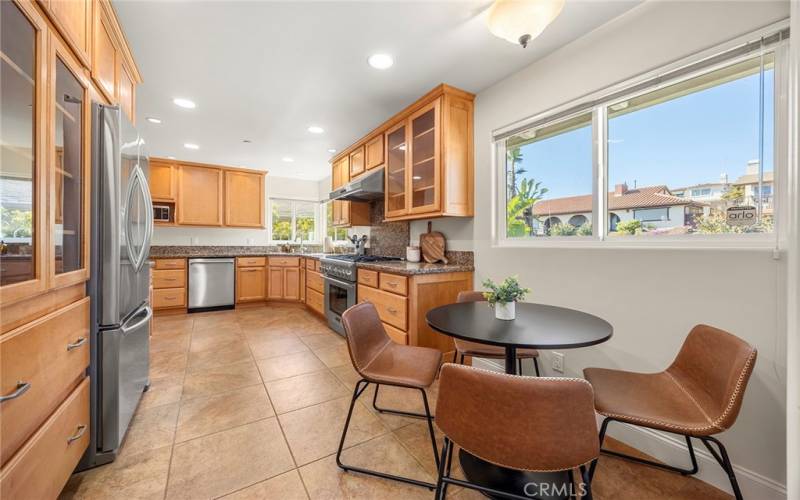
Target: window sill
x: 620, y: 243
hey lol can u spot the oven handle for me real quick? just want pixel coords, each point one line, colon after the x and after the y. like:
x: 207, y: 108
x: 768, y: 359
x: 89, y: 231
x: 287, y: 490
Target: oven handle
x: 341, y: 283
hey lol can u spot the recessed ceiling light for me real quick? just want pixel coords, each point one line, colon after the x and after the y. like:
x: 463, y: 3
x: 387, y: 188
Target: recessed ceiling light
x: 170, y: 157
x: 184, y: 103
x: 153, y: 120
x: 331, y: 150
x: 287, y: 159
x: 315, y: 129
x: 380, y: 61
x: 189, y: 145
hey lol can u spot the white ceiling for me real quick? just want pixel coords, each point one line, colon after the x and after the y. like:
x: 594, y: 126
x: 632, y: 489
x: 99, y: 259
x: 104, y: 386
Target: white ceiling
x: 266, y: 71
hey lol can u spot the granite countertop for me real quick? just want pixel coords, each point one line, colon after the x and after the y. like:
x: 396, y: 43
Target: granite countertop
x: 178, y: 252
x: 411, y: 268
x: 458, y: 262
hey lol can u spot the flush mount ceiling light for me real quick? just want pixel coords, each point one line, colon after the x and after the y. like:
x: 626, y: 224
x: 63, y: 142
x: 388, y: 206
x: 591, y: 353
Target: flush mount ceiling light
x: 184, y: 103
x: 189, y: 145
x: 315, y: 129
x: 287, y: 159
x: 380, y: 61
x: 520, y: 21
x: 153, y: 120
x: 331, y: 150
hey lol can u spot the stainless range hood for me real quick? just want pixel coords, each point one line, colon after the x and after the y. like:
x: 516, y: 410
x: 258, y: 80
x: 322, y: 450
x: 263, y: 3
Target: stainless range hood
x: 368, y: 187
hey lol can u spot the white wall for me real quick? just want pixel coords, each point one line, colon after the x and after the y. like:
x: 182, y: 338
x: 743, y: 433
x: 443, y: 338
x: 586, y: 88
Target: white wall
x: 276, y: 187
x: 651, y: 297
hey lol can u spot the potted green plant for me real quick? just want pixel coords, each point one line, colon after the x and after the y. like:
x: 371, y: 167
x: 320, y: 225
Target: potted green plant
x: 503, y: 297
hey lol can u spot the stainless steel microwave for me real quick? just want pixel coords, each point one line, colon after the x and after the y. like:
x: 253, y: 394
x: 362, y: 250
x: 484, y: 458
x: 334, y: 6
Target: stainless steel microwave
x: 161, y: 213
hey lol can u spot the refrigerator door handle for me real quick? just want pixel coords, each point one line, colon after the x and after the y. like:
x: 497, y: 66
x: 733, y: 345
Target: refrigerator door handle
x: 148, y: 314
x: 138, y: 181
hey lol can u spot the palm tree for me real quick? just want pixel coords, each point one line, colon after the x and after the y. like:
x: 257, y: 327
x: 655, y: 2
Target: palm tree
x: 514, y: 157
x: 519, y: 210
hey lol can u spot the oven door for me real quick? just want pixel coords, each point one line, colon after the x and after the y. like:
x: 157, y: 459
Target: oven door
x: 339, y: 296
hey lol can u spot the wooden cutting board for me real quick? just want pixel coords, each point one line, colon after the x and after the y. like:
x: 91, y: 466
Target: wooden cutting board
x: 432, y: 244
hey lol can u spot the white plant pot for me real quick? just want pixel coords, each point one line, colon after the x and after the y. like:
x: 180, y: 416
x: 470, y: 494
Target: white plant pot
x: 505, y: 310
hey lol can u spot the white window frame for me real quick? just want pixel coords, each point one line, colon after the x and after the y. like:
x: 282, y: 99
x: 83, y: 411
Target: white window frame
x: 293, y: 202
x: 598, y: 103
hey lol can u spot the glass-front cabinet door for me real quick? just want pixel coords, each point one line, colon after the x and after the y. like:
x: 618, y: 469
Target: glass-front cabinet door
x: 396, y: 144
x: 424, y: 189
x: 69, y: 170
x: 23, y: 199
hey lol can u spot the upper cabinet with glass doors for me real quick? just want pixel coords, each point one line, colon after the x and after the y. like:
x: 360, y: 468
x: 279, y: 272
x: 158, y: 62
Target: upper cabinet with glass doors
x: 22, y: 151
x: 427, y: 157
x: 48, y: 51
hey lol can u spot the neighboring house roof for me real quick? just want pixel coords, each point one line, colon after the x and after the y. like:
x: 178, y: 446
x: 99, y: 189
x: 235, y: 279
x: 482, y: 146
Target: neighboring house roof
x: 644, y: 197
x: 753, y: 178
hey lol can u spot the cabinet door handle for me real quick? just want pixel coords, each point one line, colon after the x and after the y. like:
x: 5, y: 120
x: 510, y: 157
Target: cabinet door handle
x: 77, y: 435
x: 22, y: 387
x: 76, y: 344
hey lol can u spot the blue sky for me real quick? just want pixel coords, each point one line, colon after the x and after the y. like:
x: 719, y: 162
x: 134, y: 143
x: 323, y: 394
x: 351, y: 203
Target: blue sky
x: 690, y: 140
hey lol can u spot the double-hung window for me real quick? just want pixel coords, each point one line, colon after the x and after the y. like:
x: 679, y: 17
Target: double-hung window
x: 294, y: 220
x: 684, y: 154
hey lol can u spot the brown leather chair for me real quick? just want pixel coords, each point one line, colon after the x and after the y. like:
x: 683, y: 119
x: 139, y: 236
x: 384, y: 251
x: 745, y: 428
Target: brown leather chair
x: 467, y: 348
x: 699, y: 395
x: 381, y: 361
x: 523, y: 423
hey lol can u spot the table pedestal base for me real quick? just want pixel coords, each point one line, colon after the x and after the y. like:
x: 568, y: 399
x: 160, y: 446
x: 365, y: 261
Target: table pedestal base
x: 540, y: 485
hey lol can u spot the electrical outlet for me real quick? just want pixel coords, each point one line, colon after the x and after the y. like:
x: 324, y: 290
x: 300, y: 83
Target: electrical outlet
x: 249, y: 241
x: 558, y: 362
x: 194, y: 240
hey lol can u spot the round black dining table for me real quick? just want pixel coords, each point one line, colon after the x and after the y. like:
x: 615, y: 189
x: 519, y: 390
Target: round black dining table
x: 537, y: 326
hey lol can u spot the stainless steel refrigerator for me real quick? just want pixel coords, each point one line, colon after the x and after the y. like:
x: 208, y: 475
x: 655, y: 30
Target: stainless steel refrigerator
x: 122, y: 227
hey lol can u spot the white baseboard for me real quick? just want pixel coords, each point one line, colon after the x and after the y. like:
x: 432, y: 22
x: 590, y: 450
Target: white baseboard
x: 668, y: 449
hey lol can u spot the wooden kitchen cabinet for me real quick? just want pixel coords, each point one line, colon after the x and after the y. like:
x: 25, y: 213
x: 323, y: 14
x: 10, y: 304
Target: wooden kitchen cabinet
x: 104, y: 60
x: 58, y: 57
x: 291, y: 283
x: 125, y: 91
x: 169, y: 284
x: 74, y: 19
x: 200, y: 195
x: 163, y: 180
x: 357, y: 164
x: 427, y: 153
x: 275, y: 283
x: 244, y: 199
x: 403, y: 301
x: 283, y: 278
x: 374, y: 152
x: 250, y: 284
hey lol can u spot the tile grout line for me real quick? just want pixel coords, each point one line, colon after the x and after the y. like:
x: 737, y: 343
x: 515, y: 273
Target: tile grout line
x: 177, y: 418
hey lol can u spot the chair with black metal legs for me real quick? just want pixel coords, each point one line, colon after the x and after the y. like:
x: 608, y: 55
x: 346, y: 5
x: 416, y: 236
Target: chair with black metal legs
x: 465, y: 348
x: 381, y: 361
x: 528, y: 424
x: 698, y: 396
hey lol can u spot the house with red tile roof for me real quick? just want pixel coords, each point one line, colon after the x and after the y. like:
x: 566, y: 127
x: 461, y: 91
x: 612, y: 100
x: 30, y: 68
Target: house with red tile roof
x: 654, y: 206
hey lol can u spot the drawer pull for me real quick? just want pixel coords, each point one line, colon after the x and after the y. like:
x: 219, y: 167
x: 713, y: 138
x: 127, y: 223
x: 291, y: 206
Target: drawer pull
x: 392, y: 284
x: 392, y: 310
x: 77, y: 435
x: 22, y: 387
x: 76, y: 344
x: 170, y: 279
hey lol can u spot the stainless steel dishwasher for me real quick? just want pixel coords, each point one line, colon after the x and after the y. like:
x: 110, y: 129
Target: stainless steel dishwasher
x: 211, y: 284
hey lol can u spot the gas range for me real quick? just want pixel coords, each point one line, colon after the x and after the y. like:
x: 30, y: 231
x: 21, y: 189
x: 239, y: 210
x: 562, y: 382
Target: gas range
x: 343, y: 267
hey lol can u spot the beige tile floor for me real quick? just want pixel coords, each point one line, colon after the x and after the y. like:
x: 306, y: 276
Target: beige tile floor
x: 250, y: 404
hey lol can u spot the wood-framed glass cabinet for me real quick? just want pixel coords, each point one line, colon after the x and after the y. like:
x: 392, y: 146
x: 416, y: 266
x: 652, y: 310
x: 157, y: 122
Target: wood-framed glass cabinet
x: 45, y: 165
